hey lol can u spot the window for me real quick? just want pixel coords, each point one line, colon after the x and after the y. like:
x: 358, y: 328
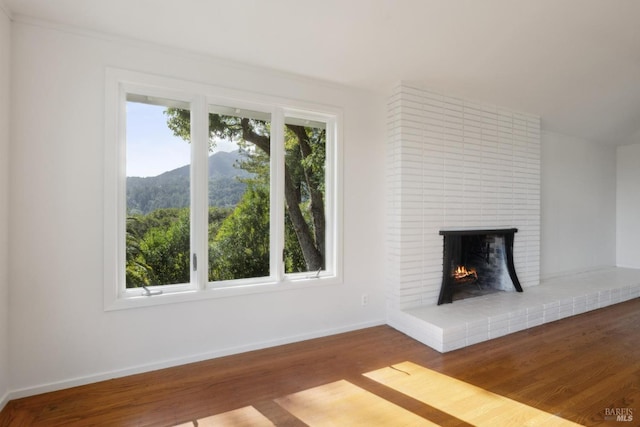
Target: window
x: 239, y: 235
x: 213, y: 192
x: 158, y: 194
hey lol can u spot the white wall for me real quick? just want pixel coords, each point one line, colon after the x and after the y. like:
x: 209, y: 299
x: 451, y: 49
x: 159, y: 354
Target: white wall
x: 60, y: 334
x: 578, y: 205
x: 5, y: 30
x: 628, y: 206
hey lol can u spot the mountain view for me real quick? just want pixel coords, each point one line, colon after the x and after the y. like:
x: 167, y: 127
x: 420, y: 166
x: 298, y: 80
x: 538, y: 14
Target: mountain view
x: 171, y: 188
x: 159, y: 236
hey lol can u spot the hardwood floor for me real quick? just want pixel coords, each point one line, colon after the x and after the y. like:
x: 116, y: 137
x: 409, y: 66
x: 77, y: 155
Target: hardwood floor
x: 584, y: 369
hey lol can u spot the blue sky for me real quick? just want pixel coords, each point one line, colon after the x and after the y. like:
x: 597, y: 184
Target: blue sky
x: 151, y: 146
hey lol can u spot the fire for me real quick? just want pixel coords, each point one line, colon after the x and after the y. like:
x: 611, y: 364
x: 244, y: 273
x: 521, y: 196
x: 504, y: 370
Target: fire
x: 461, y: 272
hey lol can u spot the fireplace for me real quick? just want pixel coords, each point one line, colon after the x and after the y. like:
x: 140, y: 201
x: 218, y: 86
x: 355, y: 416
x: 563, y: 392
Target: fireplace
x: 477, y: 262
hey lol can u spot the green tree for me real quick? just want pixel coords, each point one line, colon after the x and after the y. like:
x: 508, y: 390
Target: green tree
x: 157, y: 245
x: 303, y: 175
x: 241, y: 246
x: 136, y: 271
x: 158, y: 248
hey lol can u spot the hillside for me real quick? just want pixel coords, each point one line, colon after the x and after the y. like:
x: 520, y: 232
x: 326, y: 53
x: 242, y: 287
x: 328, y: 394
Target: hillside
x: 171, y: 188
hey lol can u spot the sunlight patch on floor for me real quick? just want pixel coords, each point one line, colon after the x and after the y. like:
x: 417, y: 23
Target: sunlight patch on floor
x: 243, y: 417
x: 344, y: 404
x: 466, y: 402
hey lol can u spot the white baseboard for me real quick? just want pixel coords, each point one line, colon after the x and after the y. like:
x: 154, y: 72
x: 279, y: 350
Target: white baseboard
x: 89, y: 379
x: 4, y: 400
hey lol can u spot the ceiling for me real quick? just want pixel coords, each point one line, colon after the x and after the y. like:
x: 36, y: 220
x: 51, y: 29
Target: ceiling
x: 576, y: 63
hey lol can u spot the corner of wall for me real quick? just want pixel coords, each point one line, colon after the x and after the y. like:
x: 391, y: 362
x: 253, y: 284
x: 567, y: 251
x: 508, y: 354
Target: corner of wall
x: 5, y: 49
x: 627, y: 206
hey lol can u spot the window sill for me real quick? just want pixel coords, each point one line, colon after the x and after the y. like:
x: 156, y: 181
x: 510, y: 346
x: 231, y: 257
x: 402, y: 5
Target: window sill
x: 139, y: 301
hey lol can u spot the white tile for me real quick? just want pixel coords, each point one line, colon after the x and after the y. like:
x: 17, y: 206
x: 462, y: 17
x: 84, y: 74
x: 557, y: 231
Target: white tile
x: 551, y: 315
x: 498, y: 319
x: 499, y: 314
x: 478, y: 327
x: 477, y: 338
x: 517, y: 325
x: 454, y: 345
x: 550, y: 311
x: 534, y: 316
x: 615, y: 296
x: 498, y: 332
x: 624, y: 293
x: 604, y: 298
x: 580, y: 304
x: 454, y: 333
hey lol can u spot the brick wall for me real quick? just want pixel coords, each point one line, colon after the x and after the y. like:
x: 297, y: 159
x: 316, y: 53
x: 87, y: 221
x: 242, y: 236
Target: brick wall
x: 456, y: 163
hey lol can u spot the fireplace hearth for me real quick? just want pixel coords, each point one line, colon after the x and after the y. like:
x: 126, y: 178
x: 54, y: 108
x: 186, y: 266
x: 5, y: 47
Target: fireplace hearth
x: 477, y: 262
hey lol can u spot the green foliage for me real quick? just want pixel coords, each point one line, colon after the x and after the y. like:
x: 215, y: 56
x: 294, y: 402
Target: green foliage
x: 158, y: 248
x: 179, y: 121
x: 153, y: 241
x: 220, y: 126
x: 165, y: 249
x: 136, y: 271
x: 293, y: 256
x: 307, y: 170
x: 240, y: 249
x: 157, y: 245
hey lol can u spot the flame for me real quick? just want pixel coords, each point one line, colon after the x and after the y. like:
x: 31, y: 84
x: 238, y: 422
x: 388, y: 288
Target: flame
x: 462, y: 272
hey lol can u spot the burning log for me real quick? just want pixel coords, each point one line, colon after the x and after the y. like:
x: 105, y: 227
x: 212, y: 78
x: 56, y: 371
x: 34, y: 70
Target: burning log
x: 463, y: 275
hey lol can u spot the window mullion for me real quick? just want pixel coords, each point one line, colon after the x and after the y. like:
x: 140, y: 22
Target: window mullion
x: 199, y: 192
x: 120, y: 180
x: 332, y: 195
x: 277, y: 191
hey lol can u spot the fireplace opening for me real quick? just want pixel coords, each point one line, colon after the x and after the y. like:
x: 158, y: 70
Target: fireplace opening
x: 477, y: 263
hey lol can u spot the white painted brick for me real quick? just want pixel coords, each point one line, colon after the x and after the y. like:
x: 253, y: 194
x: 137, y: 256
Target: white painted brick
x: 498, y: 332
x: 604, y: 298
x: 579, y: 304
x: 454, y: 333
x: 615, y: 296
x: 551, y: 312
x: 454, y: 162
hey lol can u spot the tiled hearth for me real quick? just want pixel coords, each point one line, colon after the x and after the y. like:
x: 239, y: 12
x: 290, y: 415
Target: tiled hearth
x: 452, y: 326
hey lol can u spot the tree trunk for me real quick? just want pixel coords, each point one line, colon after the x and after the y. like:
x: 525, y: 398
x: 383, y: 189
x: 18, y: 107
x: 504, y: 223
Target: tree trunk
x: 314, y: 259
x: 316, y: 196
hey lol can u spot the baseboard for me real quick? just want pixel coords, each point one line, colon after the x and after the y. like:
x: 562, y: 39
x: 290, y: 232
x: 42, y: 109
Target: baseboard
x: 139, y: 369
x: 4, y: 400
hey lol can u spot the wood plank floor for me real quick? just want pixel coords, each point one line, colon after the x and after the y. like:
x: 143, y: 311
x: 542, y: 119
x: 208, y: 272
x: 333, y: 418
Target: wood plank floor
x: 583, y: 369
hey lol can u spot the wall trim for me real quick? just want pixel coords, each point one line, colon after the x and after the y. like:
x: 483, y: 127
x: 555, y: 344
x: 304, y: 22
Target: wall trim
x: 169, y: 363
x: 4, y: 400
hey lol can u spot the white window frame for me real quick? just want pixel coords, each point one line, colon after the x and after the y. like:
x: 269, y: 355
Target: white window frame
x: 200, y: 96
